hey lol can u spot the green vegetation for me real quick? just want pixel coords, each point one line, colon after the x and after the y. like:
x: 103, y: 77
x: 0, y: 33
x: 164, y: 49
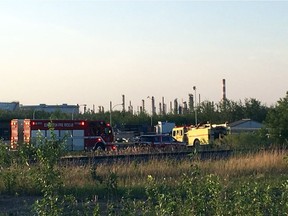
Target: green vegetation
x: 277, y: 120
x: 242, y: 185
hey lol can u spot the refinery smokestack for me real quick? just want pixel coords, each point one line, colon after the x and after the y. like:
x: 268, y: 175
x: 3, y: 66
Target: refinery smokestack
x: 163, y: 105
x: 224, y: 89
x: 123, y: 102
x: 153, y: 106
x: 143, y: 105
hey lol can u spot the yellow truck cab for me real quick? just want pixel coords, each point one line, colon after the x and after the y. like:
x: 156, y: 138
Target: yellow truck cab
x: 179, y: 133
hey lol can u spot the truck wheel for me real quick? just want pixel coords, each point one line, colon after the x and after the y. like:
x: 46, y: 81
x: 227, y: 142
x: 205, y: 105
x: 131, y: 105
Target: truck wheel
x: 185, y: 139
x: 196, y: 144
x: 99, y: 147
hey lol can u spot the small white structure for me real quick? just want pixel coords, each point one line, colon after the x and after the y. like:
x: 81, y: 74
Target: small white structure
x: 164, y: 127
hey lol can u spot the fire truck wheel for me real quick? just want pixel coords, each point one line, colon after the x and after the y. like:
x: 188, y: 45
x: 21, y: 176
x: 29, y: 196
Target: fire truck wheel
x: 99, y: 147
x: 196, y: 144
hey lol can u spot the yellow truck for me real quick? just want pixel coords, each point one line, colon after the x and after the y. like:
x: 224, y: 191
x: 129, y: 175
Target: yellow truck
x: 200, y: 135
x: 179, y: 133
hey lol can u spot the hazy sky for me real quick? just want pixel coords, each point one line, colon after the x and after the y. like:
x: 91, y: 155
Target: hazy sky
x: 92, y: 52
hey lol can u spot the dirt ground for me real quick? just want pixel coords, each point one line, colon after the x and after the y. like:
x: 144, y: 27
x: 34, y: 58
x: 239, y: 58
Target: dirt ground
x: 16, y: 205
x: 22, y: 205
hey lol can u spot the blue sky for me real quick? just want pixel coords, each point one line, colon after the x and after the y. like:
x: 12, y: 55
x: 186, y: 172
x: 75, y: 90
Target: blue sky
x: 92, y: 52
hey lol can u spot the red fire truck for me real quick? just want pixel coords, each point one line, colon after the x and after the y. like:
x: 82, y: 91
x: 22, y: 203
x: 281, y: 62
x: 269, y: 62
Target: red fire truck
x: 79, y: 134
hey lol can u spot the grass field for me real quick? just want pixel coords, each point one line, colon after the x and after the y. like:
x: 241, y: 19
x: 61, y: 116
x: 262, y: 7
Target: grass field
x: 241, y: 185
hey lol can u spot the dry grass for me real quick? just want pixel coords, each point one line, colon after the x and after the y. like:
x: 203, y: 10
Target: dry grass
x: 135, y: 174
x: 260, y: 163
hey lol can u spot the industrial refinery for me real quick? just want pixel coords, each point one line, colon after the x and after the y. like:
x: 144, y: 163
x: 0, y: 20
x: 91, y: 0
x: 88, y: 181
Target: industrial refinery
x: 161, y: 107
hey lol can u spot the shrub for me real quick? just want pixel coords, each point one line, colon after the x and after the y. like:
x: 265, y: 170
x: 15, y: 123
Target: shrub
x: 244, y: 141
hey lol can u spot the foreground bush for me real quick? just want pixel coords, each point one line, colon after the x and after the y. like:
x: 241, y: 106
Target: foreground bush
x: 205, y: 195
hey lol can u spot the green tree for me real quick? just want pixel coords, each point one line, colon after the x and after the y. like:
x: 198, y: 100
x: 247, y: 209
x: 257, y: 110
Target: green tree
x: 253, y: 109
x: 230, y: 111
x: 277, y: 121
x: 208, y: 112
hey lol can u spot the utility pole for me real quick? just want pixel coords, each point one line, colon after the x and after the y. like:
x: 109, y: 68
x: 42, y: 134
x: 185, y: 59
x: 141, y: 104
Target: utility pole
x: 194, y: 88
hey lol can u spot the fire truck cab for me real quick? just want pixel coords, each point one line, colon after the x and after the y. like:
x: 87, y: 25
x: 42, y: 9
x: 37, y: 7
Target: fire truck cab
x: 78, y: 134
x: 179, y: 133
